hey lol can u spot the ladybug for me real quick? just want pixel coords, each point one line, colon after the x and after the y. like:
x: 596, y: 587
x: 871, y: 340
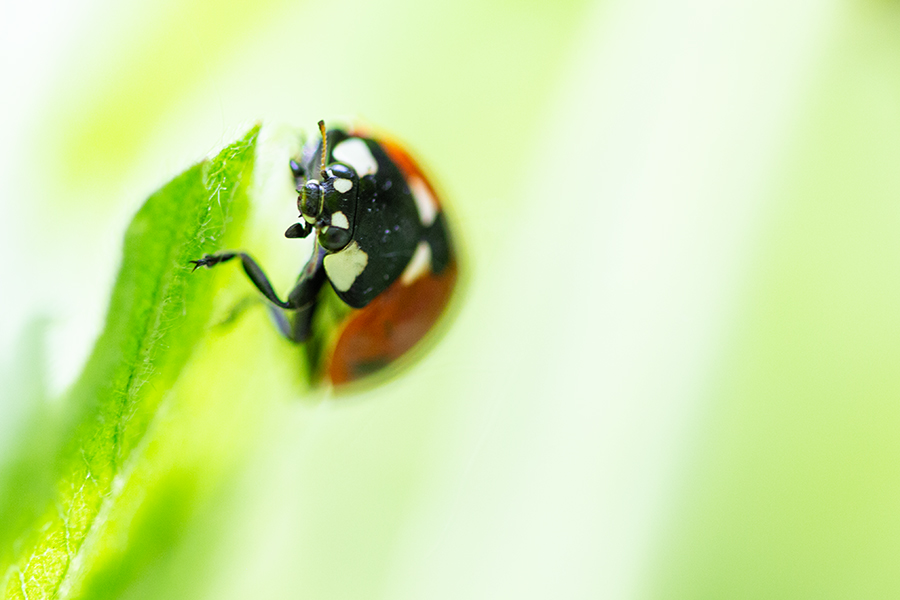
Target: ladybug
x: 382, y: 244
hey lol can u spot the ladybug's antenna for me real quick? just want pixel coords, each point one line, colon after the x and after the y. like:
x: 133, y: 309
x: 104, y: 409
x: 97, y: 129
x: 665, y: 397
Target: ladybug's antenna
x: 324, y: 148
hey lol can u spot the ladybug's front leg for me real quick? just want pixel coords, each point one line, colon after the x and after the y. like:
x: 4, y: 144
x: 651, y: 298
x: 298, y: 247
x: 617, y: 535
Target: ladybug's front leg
x: 299, y: 173
x: 301, y: 299
x: 253, y: 271
x: 303, y: 296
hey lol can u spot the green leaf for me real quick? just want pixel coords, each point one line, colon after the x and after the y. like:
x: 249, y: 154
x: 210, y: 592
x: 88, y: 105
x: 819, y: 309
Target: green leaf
x: 157, y: 316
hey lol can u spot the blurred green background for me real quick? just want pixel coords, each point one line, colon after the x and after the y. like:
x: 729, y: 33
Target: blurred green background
x: 673, y: 369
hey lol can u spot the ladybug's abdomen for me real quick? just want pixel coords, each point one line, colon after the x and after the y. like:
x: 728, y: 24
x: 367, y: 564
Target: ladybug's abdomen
x: 390, y: 325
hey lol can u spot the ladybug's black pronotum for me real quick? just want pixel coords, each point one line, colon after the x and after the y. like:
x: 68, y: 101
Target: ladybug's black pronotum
x: 382, y: 243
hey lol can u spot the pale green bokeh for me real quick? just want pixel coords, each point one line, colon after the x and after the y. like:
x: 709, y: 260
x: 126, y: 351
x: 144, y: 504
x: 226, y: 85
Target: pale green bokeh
x: 794, y: 493
x: 672, y: 372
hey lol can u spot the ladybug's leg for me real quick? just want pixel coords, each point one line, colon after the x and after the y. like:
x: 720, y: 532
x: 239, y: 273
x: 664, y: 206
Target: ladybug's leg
x: 278, y: 315
x: 253, y: 271
x: 299, y: 174
x: 302, y: 326
x: 303, y: 296
x: 281, y: 320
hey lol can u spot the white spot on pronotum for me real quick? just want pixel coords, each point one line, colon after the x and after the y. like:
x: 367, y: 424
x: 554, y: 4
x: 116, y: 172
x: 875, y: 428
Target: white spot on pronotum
x: 345, y: 266
x: 355, y: 153
x: 343, y: 185
x: 340, y: 221
x: 419, y: 264
x: 425, y: 202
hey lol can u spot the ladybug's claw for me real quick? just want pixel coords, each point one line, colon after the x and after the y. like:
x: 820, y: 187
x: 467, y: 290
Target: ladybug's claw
x: 203, y: 262
x: 210, y: 260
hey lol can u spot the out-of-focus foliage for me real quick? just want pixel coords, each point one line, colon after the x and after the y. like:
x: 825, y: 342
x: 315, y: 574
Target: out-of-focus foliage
x: 155, y: 318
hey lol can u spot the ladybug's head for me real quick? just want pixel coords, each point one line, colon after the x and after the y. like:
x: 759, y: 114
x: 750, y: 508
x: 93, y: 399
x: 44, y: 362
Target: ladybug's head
x: 328, y: 204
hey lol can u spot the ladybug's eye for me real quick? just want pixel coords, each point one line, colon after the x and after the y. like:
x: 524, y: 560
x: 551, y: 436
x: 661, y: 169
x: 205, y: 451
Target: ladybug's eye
x: 310, y: 200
